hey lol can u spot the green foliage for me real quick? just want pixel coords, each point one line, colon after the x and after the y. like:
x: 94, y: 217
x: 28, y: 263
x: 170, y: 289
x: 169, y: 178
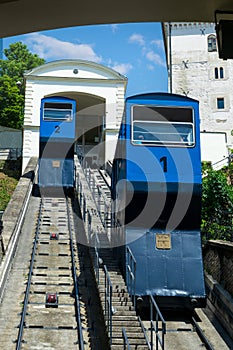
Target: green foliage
x: 11, y: 103
x: 18, y: 61
x: 7, y: 186
x: 217, y: 206
x: 206, y: 166
x: 10, y: 172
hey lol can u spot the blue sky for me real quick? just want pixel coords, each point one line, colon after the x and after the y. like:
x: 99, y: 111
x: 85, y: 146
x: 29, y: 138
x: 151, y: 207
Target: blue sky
x: 135, y: 50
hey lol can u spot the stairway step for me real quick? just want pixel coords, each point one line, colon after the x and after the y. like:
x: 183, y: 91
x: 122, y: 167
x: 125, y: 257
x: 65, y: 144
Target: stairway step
x: 117, y: 301
x: 132, y: 347
x: 125, y: 322
x: 130, y: 329
x: 130, y: 335
x: 131, y: 341
x: 124, y: 313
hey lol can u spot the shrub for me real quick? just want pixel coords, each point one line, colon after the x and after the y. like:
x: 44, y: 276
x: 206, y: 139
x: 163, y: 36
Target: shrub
x: 217, y: 206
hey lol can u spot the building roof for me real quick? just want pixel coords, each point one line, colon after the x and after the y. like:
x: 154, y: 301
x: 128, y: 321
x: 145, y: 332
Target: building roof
x: 75, y: 69
x: 6, y: 129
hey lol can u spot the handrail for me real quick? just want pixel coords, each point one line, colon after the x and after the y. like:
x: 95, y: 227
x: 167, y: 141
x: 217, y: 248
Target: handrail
x: 11, y: 152
x: 160, y: 339
x: 97, y: 263
x: 222, y: 162
x: 125, y: 339
x: 89, y: 220
x: 131, y: 274
x: 144, y: 332
x: 108, y: 302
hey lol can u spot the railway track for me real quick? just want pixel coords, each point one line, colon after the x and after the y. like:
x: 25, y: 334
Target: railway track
x: 51, y: 300
x: 51, y: 309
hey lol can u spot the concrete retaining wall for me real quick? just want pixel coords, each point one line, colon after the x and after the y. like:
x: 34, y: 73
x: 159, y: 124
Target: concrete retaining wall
x: 14, y: 211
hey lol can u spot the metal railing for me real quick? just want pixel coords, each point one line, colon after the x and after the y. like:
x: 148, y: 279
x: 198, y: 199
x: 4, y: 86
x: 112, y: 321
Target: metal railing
x: 97, y: 257
x: 108, y: 302
x: 10, y: 153
x: 144, y: 332
x: 125, y: 340
x: 131, y: 274
x: 221, y: 163
x: 159, y: 332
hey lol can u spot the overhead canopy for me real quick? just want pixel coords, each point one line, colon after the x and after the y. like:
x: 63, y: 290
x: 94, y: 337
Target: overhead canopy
x: 24, y: 16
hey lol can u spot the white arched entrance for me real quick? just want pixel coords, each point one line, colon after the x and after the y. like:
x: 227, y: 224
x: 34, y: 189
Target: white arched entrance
x: 99, y: 92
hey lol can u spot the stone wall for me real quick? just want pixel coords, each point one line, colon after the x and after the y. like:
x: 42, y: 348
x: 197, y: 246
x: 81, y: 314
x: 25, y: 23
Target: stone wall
x: 218, y: 262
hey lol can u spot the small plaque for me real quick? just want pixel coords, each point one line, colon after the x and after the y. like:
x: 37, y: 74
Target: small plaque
x: 56, y: 163
x: 163, y: 241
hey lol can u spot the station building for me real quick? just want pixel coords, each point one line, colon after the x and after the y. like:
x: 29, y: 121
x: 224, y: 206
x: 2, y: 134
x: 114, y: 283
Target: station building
x: 99, y: 92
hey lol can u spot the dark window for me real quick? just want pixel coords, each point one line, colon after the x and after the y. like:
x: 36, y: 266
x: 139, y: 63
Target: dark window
x: 218, y: 73
x: 156, y: 125
x: 220, y: 103
x: 212, y: 43
x: 57, y: 111
x: 221, y: 73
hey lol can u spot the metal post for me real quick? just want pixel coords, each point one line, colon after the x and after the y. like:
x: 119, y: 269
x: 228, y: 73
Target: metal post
x: 170, y: 55
x: 1, y: 229
x: 151, y: 328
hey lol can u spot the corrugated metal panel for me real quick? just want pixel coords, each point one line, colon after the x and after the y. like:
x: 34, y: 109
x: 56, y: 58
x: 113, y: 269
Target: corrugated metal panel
x: 9, y: 138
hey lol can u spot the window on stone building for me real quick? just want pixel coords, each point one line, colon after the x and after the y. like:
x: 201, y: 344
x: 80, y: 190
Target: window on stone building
x: 218, y: 73
x: 221, y: 73
x: 212, y: 45
x: 220, y: 103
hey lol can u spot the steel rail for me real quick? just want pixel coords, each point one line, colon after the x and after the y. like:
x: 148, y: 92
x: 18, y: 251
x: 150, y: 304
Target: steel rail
x: 77, y: 304
x: 201, y: 335
x: 25, y: 302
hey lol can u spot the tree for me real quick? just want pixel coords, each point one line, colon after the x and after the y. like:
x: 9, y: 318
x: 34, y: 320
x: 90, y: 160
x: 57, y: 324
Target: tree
x: 18, y: 60
x: 217, y: 206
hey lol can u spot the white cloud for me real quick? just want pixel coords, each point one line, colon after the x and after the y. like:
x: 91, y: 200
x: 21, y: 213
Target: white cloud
x: 114, y: 27
x: 137, y: 38
x: 150, y: 66
x: 122, y: 68
x: 52, y: 48
x: 158, y: 43
x: 155, y: 58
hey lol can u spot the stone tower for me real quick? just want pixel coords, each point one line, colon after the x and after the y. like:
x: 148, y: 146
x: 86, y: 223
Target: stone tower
x: 195, y: 70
